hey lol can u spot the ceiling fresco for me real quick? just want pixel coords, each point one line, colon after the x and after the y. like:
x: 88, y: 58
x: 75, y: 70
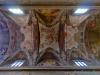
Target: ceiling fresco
x: 9, y: 33
x: 92, y: 35
x: 48, y: 38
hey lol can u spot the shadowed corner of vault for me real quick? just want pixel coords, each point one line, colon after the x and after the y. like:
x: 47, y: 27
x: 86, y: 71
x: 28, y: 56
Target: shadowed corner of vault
x: 49, y: 57
x: 19, y: 59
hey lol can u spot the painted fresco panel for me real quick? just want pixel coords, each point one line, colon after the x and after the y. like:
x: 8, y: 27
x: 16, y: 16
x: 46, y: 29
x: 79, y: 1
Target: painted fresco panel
x: 48, y: 38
